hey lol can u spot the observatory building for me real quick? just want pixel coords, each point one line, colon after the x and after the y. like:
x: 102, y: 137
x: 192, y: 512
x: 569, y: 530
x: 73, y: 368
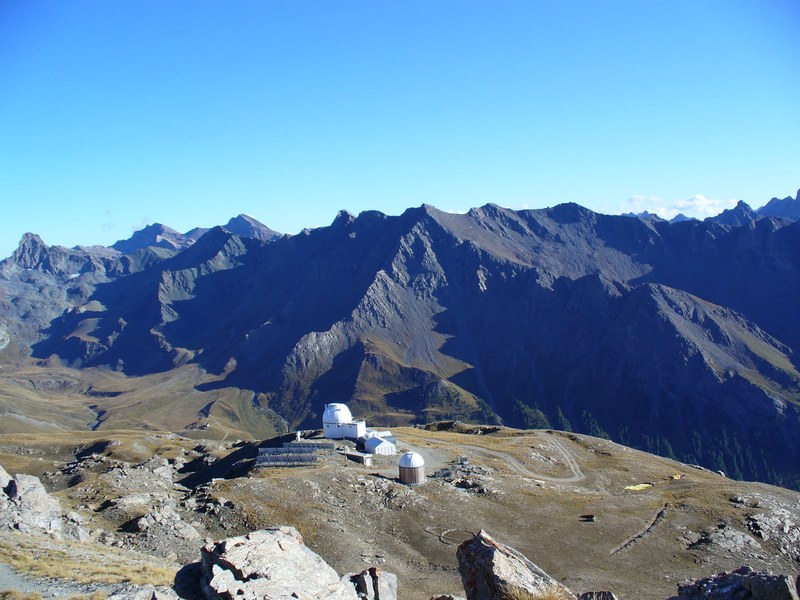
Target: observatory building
x: 338, y: 423
x: 384, y: 445
x: 412, y: 468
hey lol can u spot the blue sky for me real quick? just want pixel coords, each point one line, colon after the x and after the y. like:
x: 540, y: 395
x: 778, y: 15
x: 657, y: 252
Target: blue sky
x: 118, y: 114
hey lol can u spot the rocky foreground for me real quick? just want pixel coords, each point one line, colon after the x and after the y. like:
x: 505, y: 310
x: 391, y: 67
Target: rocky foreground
x: 275, y: 563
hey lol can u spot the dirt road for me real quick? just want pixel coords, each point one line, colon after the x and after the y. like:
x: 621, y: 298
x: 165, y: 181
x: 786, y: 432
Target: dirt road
x: 576, y: 476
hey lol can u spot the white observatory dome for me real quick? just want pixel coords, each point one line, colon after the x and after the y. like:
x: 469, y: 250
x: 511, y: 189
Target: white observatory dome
x: 411, y: 460
x: 336, y: 413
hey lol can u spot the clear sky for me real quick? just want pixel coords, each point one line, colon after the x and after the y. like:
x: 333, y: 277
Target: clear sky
x: 115, y: 114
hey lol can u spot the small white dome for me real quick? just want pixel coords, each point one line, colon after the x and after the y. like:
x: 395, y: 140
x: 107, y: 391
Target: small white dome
x: 411, y: 460
x: 336, y: 413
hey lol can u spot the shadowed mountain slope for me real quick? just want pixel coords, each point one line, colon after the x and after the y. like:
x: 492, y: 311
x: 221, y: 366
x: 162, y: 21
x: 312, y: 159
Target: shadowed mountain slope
x: 737, y: 216
x: 39, y: 282
x: 241, y: 225
x: 674, y: 337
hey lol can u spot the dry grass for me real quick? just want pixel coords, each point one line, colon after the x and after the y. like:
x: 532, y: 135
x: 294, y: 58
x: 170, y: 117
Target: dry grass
x: 163, y: 401
x: 17, y: 595
x: 553, y: 592
x: 81, y: 562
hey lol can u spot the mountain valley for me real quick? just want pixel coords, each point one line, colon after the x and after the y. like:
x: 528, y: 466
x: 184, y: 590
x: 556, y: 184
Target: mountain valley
x: 677, y: 338
x: 139, y: 381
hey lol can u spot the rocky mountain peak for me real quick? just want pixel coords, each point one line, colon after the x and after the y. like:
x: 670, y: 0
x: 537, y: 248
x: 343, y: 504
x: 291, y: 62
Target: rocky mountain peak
x: 31, y: 238
x: 786, y: 208
x: 570, y: 212
x: 740, y: 215
x: 247, y: 226
x: 680, y: 218
x: 157, y: 235
x: 196, y: 233
x: 343, y: 219
x: 34, y: 253
x: 31, y: 253
x: 218, y: 244
x: 648, y: 215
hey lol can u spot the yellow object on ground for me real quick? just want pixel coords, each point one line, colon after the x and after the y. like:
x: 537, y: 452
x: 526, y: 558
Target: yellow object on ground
x: 639, y: 487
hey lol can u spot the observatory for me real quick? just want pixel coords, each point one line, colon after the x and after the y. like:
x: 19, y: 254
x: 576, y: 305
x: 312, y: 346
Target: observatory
x: 338, y: 423
x: 412, y: 468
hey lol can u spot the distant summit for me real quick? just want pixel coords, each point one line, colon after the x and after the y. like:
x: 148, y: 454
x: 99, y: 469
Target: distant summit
x: 32, y: 253
x: 737, y: 216
x: 161, y: 236
x: 679, y: 218
x: 786, y: 208
x: 247, y: 226
x: 643, y: 215
x: 157, y: 235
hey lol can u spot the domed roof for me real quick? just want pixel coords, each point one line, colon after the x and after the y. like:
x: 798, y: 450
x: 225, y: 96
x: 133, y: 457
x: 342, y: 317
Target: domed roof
x: 411, y: 460
x: 336, y: 413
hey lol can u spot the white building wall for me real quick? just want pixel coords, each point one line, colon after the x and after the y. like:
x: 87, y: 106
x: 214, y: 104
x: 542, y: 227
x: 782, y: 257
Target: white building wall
x: 355, y: 429
x: 376, y: 445
x: 337, y: 431
x: 386, y: 449
x: 332, y: 431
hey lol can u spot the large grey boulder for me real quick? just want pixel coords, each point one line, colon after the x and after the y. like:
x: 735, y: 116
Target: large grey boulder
x: 491, y: 571
x: 272, y: 563
x: 4, y: 478
x: 29, y: 508
x: 772, y: 587
x: 742, y: 584
x: 26, y: 506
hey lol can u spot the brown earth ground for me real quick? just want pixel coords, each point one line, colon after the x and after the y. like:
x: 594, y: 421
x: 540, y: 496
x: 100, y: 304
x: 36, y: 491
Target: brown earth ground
x: 532, y: 490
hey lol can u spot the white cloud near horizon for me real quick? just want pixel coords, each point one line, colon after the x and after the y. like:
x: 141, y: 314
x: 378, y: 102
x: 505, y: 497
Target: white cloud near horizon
x: 698, y: 206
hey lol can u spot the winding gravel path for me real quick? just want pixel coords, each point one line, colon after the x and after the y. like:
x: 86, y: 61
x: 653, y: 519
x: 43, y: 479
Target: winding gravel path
x: 514, y: 463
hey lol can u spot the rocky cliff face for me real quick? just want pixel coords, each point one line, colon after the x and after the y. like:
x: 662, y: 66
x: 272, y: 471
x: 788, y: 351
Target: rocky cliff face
x: 677, y: 338
x: 39, y: 282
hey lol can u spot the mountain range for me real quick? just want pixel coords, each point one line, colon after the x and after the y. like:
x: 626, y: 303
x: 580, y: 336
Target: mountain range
x: 674, y: 337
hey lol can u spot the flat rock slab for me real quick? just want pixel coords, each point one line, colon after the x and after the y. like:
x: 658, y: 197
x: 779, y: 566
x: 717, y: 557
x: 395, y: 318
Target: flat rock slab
x: 272, y: 563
